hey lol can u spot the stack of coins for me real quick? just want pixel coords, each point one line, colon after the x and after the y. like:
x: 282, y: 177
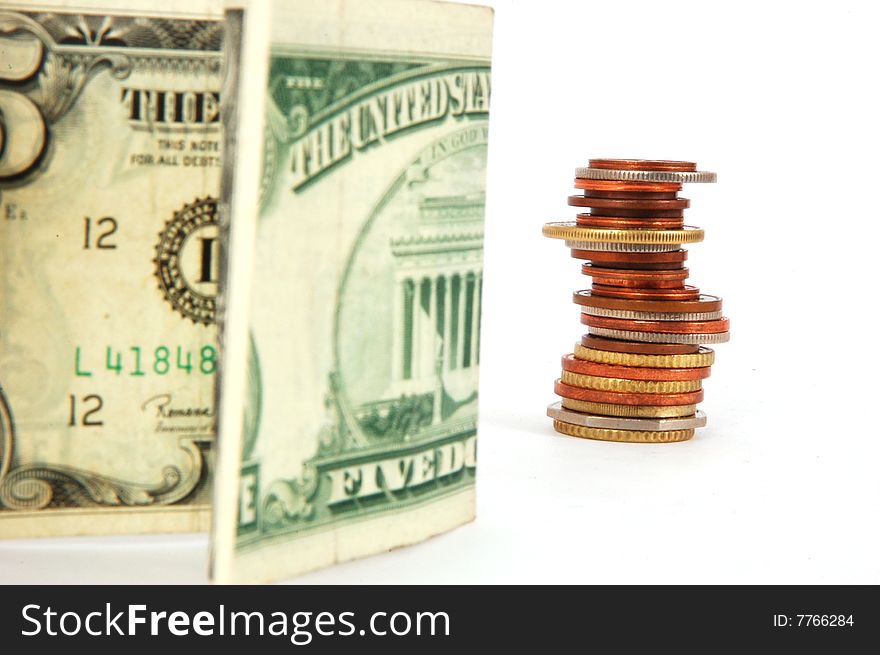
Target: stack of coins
x: 637, y: 375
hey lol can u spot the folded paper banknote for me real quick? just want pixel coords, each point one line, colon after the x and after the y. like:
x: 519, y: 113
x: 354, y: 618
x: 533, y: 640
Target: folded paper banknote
x: 354, y: 188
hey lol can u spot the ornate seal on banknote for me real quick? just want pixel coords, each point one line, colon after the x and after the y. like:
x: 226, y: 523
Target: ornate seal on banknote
x: 187, y: 260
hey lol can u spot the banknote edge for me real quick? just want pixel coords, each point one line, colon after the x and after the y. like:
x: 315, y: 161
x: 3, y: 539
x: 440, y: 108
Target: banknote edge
x: 387, y: 533
x: 247, y: 25
x: 106, y: 521
x: 155, y: 8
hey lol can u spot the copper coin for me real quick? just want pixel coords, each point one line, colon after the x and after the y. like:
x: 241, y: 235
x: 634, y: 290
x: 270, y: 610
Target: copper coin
x: 644, y: 195
x: 615, y: 222
x: 702, y: 304
x: 613, y: 185
x: 664, y: 327
x: 633, y: 260
x: 637, y: 348
x: 644, y: 165
x: 644, y: 284
x: 619, y: 398
x: 585, y: 254
x: 571, y: 363
x: 642, y: 213
x: 671, y: 257
x: 687, y: 292
x: 627, y: 203
x: 601, y: 274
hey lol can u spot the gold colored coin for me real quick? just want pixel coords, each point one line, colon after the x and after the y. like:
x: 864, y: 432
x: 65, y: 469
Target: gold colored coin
x: 629, y: 411
x: 630, y: 386
x: 630, y: 436
x: 573, y: 232
x: 705, y: 357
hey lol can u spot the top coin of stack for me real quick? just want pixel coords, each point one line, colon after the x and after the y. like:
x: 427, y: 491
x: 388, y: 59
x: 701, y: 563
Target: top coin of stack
x: 637, y: 375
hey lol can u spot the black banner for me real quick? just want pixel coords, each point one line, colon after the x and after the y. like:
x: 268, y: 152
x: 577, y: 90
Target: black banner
x: 279, y: 619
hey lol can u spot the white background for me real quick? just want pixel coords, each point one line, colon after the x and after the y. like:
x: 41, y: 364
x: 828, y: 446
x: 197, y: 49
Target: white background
x: 780, y: 100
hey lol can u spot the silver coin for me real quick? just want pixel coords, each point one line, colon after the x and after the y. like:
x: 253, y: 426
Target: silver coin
x: 585, y: 172
x: 623, y: 247
x: 661, y: 337
x: 650, y: 316
x: 558, y: 412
